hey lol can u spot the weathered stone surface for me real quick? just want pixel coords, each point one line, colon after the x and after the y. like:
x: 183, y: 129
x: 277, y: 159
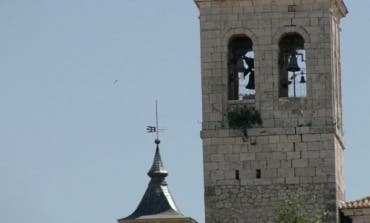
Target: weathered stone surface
x: 299, y: 147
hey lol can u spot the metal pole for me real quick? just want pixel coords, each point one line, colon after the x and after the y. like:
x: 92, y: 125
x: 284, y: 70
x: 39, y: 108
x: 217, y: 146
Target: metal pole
x: 156, y: 118
x: 294, y: 84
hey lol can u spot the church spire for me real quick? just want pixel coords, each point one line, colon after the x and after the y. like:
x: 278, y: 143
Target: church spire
x: 157, y: 201
x: 157, y: 204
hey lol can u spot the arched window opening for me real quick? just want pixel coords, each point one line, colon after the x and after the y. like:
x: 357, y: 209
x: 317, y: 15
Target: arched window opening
x: 292, y: 67
x: 241, y: 84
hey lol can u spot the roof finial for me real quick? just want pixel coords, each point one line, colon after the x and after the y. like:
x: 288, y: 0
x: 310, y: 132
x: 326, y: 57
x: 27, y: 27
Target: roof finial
x: 157, y: 170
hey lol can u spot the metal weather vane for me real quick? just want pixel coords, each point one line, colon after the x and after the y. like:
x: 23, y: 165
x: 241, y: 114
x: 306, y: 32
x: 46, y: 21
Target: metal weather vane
x: 155, y: 129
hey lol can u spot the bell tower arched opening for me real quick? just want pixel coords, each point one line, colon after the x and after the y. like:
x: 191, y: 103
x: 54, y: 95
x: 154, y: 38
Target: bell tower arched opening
x: 292, y: 66
x: 240, y: 63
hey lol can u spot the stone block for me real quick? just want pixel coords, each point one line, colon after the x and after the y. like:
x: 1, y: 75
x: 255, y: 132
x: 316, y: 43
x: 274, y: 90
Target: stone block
x: 310, y: 154
x: 247, y: 156
x: 317, y: 162
x: 305, y: 180
x: 273, y: 164
x: 298, y: 163
x: 232, y: 157
x: 217, y: 175
x: 286, y: 147
x: 259, y: 164
x: 279, y: 155
x: 294, y: 138
x: 211, y: 166
x: 268, y: 173
x: 293, y: 155
x: 286, y: 172
x: 305, y: 172
x: 320, y: 179
x: 286, y: 163
x: 292, y: 180
x: 263, y: 155
x: 311, y: 137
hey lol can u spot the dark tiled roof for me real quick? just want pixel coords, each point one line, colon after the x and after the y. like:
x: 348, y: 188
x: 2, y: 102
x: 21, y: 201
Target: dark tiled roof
x: 361, y: 203
x: 157, y: 201
x: 157, y: 170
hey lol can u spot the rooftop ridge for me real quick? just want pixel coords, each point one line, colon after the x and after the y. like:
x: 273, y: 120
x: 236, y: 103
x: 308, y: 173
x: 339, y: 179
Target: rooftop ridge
x: 360, y: 203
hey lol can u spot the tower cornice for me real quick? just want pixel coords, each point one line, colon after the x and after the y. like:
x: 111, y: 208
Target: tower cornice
x: 206, y: 3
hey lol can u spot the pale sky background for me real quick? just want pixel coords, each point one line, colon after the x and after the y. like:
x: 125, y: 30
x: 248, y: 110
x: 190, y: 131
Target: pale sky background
x: 73, y: 146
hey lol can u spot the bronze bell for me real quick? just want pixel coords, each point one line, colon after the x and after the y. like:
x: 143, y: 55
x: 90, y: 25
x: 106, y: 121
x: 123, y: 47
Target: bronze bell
x: 303, y: 80
x: 240, y: 65
x: 251, y: 85
x: 293, y: 64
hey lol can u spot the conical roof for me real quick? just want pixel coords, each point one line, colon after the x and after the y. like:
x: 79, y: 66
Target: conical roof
x: 157, y: 201
x: 157, y: 170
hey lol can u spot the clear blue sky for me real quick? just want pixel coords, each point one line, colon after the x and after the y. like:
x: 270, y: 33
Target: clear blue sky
x: 73, y: 146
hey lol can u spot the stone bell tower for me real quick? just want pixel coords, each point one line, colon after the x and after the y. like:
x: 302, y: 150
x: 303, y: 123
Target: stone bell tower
x: 272, y: 111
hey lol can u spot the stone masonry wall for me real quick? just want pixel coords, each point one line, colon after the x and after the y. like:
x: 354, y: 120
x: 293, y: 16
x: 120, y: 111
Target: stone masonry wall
x: 290, y: 164
x: 299, y: 147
